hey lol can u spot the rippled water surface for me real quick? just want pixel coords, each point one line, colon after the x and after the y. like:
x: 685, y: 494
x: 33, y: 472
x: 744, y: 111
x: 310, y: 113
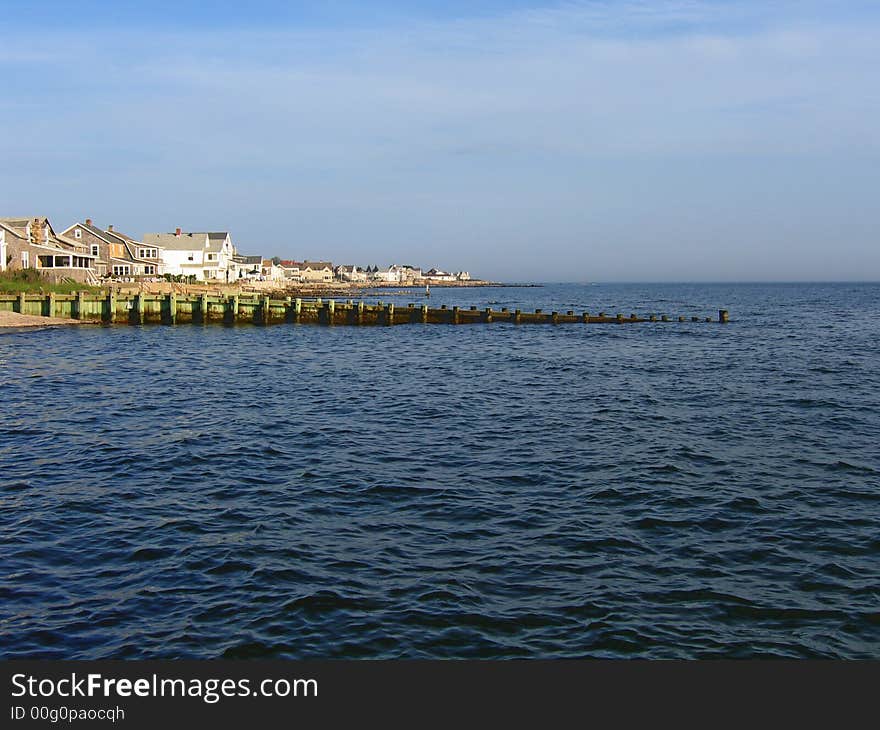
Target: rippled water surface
x: 650, y: 490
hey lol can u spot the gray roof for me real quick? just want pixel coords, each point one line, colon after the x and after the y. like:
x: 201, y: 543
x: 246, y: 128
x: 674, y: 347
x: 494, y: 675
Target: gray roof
x: 15, y: 222
x: 16, y: 231
x: 122, y: 237
x: 254, y: 260
x: 183, y: 242
x: 317, y: 265
x: 94, y: 230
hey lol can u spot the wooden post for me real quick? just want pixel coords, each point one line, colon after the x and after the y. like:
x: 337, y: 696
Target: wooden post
x: 664, y: 318
x: 172, y: 308
x: 389, y: 314
x: 619, y: 318
x: 265, y: 310
x: 203, y: 308
x: 359, y: 318
x: 297, y: 309
x: 21, y: 303
x: 424, y: 314
x: 554, y: 317
x: 487, y: 314
x: 50, y: 304
x: 111, y: 306
x: 652, y: 318
x: 695, y: 319
x: 455, y: 317
x: 331, y: 311
x: 139, y: 308
x: 236, y: 310
x: 633, y: 317
x: 681, y: 319
x: 585, y: 317
x: 80, y: 304
x: 723, y: 316
x: 517, y: 316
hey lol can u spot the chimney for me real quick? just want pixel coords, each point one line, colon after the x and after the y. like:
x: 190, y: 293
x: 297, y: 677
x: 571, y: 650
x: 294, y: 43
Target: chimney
x: 177, y: 233
x: 88, y: 221
x: 110, y: 228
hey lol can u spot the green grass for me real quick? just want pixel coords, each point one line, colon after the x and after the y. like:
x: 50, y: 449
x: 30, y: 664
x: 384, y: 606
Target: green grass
x: 30, y: 280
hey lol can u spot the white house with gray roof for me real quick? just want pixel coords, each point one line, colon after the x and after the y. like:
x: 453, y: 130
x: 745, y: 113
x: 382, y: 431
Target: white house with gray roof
x: 207, y: 256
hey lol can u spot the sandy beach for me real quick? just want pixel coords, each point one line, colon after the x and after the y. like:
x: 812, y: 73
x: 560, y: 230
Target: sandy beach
x: 14, y: 319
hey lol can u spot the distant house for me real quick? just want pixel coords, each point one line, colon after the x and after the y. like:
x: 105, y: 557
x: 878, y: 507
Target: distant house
x: 272, y: 271
x: 206, y: 256
x: 317, y: 271
x: 116, y: 254
x: 32, y: 243
x: 350, y: 273
x: 410, y: 274
x: 246, y: 267
x: 388, y: 275
x: 292, y: 270
x: 463, y: 276
x: 438, y: 275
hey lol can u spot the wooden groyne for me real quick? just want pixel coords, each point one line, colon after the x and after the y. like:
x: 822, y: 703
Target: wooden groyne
x: 141, y: 308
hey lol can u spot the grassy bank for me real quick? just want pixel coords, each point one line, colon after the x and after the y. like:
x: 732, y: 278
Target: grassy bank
x: 29, y: 280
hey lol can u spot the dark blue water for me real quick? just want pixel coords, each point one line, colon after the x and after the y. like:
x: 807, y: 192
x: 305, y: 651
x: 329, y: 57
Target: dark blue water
x: 652, y: 490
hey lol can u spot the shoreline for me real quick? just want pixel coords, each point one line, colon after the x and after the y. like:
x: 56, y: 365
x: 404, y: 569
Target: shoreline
x: 14, y: 320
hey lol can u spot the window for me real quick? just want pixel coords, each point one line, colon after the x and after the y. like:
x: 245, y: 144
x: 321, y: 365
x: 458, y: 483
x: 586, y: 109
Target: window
x: 147, y: 253
x: 189, y: 258
x: 77, y: 233
x: 25, y: 260
x: 121, y: 270
x: 95, y: 249
x: 149, y: 269
x: 212, y: 257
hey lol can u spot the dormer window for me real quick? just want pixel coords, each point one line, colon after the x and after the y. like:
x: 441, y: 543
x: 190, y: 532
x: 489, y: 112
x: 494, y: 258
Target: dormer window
x: 77, y: 233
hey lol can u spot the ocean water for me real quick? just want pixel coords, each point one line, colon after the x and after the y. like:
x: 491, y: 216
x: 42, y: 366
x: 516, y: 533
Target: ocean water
x: 485, y: 491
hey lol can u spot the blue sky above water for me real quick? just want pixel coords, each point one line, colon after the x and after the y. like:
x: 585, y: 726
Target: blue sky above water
x: 671, y: 140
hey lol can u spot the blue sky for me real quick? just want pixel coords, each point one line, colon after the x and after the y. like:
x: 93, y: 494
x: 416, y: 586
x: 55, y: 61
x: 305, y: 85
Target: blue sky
x: 578, y: 141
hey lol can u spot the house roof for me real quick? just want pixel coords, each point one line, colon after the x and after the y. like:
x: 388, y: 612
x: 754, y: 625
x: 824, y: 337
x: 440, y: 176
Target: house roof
x: 183, y: 242
x: 317, y: 265
x: 94, y: 230
x: 125, y: 239
x: 14, y: 230
x: 249, y: 260
x: 22, y: 223
x: 12, y: 223
x: 290, y: 264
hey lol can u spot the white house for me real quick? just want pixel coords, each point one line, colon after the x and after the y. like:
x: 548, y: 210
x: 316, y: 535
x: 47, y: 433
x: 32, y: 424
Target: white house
x: 272, y: 271
x: 388, y: 275
x: 350, y: 273
x: 206, y: 256
x: 2, y: 249
x: 438, y: 275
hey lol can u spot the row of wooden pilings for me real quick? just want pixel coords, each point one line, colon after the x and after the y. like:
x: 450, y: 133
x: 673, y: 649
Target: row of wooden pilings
x: 141, y: 308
